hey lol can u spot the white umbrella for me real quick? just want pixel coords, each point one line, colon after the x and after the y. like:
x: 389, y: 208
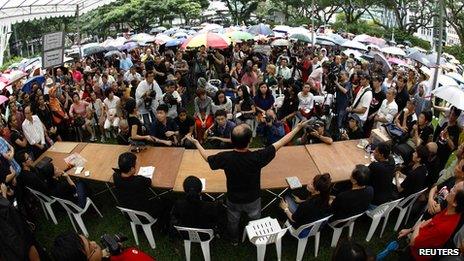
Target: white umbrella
x: 381, y: 59
x: 356, y: 54
x: 445, y: 80
x: 299, y: 30
x: 143, y: 38
x: 180, y: 35
x: 354, y: 45
x: 162, y: 39
x: 456, y: 76
x: 452, y: 94
x: 393, y: 50
x: 361, y: 37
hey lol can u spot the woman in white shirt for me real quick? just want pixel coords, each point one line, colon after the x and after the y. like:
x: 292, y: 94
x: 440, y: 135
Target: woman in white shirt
x: 305, y: 102
x: 222, y: 102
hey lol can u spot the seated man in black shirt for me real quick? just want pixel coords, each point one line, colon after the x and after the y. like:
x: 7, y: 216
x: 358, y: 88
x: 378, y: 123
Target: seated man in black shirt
x: 447, y: 136
x: 186, y: 125
x: 242, y: 168
x: 164, y: 130
x: 218, y: 135
x: 315, y: 133
x: 356, y: 200
x: 133, y: 191
x: 29, y: 175
x: 382, y: 172
x: 355, y: 129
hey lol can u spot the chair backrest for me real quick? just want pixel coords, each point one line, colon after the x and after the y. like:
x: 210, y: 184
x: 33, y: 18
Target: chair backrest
x: 41, y: 196
x: 136, y: 216
x: 264, y: 231
x: 69, y: 206
x: 314, y: 226
x: 269, y: 238
x: 347, y: 220
x: 194, y: 233
x: 410, y: 199
x: 385, y: 208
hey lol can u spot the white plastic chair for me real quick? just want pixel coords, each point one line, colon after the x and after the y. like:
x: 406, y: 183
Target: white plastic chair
x: 75, y: 212
x: 405, y: 207
x: 134, y: 216
x: 46, y: 203
x: 382, y: 211
x: 265, y: 231
x: 194, y: 236
x: 315, y: 229
x: 347, y: 222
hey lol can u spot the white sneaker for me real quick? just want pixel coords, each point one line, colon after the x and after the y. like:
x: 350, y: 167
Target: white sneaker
x: 92, y: 139
x: 102, y: 140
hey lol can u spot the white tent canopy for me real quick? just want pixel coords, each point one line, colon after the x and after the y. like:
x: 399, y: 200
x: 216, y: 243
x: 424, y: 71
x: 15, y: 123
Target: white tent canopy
x: 16, y: 11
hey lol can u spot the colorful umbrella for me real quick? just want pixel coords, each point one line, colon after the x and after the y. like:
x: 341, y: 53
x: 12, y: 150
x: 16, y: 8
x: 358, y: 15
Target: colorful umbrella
x: 301, y: 37
x: 263, y: 29
x: 3, y: 99
x: 240, y: 36
x: 209, y: 40
x: 27, y: 87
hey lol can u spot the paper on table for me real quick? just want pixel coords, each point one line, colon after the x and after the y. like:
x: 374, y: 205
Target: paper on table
x: 203, y: 184
x: 146, y: 172
x: 78, y: 170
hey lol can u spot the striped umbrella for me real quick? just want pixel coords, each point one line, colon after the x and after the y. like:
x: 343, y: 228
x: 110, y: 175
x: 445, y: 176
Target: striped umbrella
x: 209, y: 40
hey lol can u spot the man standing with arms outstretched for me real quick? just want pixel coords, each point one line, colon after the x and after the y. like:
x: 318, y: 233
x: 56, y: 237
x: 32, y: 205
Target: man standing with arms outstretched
x: 243, y: 172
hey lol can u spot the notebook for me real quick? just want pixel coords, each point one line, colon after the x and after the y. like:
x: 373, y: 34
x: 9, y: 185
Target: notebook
x: 146, y: 172
x: 293, y: 182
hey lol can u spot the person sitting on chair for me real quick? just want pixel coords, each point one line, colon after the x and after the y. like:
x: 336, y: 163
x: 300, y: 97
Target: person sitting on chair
x: 355, y: 130
x: 164, y: 130
x: 218, y: 135
x: 270, y: 129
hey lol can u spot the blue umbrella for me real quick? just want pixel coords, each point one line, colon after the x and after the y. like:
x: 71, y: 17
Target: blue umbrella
x: 263, y: 29
x: 27, y: 87
x: 175, y: 42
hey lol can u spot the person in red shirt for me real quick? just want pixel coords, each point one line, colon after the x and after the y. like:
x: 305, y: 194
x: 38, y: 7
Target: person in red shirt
x: 74, y: 247
x: 435, y: 232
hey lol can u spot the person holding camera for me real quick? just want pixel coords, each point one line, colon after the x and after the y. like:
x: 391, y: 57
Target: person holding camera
x: 270, y: 129
x: 355, y: 130
x: 315, y: 133
x: 171, y: 98
x: 148, y: 96
x: 218, y: 135
x: 164, y: 130
x: 283, y: 70
x: 74, y: 247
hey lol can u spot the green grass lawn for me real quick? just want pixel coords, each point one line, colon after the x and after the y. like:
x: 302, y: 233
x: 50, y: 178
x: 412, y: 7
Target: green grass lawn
x: 172, y: 249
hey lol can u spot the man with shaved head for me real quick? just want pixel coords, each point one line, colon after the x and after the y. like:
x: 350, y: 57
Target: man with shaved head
x: 243, y: 172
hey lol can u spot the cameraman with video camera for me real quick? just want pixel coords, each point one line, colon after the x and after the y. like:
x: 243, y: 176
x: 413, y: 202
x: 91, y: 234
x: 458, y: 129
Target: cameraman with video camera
x: 74, y: 247
x: 270, y: 129
x: 315, y: 133
x: 148, y: 96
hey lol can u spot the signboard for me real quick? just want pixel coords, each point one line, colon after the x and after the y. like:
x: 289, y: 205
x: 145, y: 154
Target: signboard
x: 52, y: 58
x: 53, y: 49
x: 53, y: 41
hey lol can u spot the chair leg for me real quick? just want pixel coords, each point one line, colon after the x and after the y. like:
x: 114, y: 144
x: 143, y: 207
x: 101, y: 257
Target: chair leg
x: 316, y: 243
x: 408, y: 213
x: 261, y: 251
x: 187, y: 244
x: 400, y: 219
x: 385, y: 220
x: 278, y: 244
x: 244, y: 235
x: 81, y: 224
x: 43, y: 208
x: 351, y: 229
x: 134, y: 232
x: 96, y: 209
x: 301, y: 248
x: 374, y: 224
x: 149, y: 234
x: 72, y: 222
x: 335, y: 236
x: 50, y: 212
x: 205, y: 250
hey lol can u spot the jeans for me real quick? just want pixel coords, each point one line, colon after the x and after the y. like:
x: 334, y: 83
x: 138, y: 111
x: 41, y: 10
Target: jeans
x: 341, y: 117
x: 81, y: 191
x: 234, y: 210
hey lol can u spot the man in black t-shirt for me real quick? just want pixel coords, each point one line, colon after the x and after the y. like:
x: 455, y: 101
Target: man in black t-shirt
x: 242, y: 168
x: 186, y: 125
x: 164, y: 130
x: 381, y: 174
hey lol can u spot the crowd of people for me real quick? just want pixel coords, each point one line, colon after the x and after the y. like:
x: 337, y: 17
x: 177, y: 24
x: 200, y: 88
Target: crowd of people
x: 221, y: 99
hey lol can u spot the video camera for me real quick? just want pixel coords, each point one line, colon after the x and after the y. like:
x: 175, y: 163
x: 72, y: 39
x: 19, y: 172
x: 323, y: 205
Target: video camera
x: 169, y: 99
x: 149, y: 98
x: 333, y: 73
x: 113, y: 243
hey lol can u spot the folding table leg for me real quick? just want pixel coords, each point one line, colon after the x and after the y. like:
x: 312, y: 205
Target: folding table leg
x: 276, y: 196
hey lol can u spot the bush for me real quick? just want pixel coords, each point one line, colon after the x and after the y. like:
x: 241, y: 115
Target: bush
x: 10, y: 61
x: 456, y: 50
x: 401, y: 36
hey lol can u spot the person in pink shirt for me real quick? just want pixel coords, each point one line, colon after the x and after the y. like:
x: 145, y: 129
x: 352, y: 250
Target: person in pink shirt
x: 76, y: 75
x: 78, y: 112
x: 250, y: 79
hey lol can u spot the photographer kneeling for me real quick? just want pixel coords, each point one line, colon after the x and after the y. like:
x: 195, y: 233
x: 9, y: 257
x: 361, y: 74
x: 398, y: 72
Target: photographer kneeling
x: 270, y: 129
x: 218, y: 135
x: 315, y: 133
x: 75, y: 247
